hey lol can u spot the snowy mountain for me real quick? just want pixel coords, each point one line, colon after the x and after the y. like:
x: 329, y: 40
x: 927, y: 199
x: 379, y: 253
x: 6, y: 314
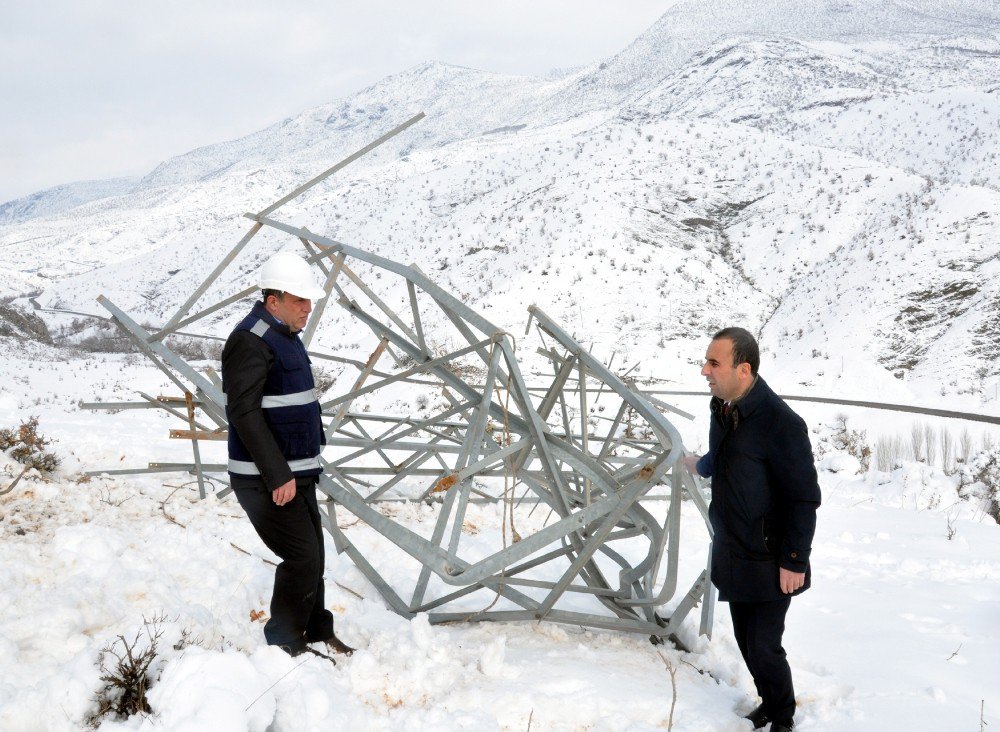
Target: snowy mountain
x: 833, y: 169
x: 62, y: 198
x: 459, y: 102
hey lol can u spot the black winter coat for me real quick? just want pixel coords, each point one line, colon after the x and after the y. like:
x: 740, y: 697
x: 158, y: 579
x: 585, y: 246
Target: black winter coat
x: 764, y: 495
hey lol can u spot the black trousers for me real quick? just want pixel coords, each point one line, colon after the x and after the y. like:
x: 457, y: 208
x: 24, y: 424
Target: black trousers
x: 295, y: 534
x: 758, y: 627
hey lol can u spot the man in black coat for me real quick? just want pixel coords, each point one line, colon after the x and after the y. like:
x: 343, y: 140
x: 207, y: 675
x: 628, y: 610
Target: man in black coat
x: 275, y: 440
x: 763, y: 513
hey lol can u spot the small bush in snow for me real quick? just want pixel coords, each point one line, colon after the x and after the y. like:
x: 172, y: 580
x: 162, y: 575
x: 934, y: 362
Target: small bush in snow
x: 981, y: 479
x: 105, y: 337
x: 853, y: 442
x: 325, y: 378
x: 28, y: 447
x: 195, y: 349
x: 889, y: 453
x: 124, y: 668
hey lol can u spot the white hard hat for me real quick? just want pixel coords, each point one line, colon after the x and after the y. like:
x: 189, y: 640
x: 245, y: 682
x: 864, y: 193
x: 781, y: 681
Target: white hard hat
x: 289, y: 273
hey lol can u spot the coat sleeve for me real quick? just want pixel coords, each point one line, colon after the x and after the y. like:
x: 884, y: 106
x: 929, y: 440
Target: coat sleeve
x: 246, y: 360
x: 798, y: 491
x: 704, y: 466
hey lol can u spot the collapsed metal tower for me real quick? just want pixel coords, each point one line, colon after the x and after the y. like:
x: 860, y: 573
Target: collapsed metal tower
x: 580, y: 541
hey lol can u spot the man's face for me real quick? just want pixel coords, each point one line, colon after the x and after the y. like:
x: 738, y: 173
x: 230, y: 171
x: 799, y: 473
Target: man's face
x: 291, y: 310
x: 725, y: 380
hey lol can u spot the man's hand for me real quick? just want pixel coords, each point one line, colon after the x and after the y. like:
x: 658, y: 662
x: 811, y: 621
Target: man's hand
x: 284, y: 493
x: 790, y: 581
x: 691, y: 463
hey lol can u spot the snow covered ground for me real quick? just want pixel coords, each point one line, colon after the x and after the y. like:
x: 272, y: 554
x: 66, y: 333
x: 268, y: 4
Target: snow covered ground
x: 899, y: 631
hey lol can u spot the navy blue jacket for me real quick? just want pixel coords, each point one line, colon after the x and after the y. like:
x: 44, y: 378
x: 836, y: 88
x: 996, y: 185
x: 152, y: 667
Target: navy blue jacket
x: 274, y: 415
x: 764, y: 495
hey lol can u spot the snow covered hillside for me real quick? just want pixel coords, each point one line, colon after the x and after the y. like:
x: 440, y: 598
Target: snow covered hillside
x: 826, y: 174
x: 62, y: 198
x: 811, y: 166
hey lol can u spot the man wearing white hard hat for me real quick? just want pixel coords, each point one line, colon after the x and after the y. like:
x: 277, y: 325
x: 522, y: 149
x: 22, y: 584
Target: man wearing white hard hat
x: 275, y: 439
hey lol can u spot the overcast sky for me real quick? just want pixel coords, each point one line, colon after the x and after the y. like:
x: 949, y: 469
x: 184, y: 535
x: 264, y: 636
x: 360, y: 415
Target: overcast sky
x: 104, y: 88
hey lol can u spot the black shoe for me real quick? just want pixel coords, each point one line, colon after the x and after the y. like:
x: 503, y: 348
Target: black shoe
x: 785, y: 726
x: 759, y: 717
x: 338, y: 646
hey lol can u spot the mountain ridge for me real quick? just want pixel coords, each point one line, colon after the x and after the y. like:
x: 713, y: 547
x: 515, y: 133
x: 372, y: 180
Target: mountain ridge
x: 824, y: 185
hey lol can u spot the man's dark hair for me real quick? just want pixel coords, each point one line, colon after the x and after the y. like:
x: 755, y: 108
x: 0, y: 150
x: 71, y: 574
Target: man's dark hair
x: 267, y: 293
x: 745, y: 348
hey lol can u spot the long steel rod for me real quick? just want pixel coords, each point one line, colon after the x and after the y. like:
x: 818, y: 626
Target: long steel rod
x: 317, y: 314
x: 176, y: 328
x: 419, y: 368
x: 356, y: 390
x: 346, y: 161
x: 417, y: 427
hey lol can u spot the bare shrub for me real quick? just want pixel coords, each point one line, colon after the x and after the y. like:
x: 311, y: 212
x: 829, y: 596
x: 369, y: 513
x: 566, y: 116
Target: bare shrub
x: 107, y: 338
x: 672, y: 670
x: 27, y: 446
x: 853, y: 442
x: 124, y: 668
x: 195, y: 349
x: 964, y: 446
x: 930, y: 444
x: 917, y: 441
x: 889, y: 452
x: 325, y: 378
x: 946, y: 450
x: 984, y: 472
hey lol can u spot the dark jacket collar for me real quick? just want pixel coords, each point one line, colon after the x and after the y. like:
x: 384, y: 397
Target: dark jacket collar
x: 746, y: 405
x: 259, y: 311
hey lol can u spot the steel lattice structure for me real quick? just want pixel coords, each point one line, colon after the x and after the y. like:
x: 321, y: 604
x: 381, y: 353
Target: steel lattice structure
x: 590, y: 550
